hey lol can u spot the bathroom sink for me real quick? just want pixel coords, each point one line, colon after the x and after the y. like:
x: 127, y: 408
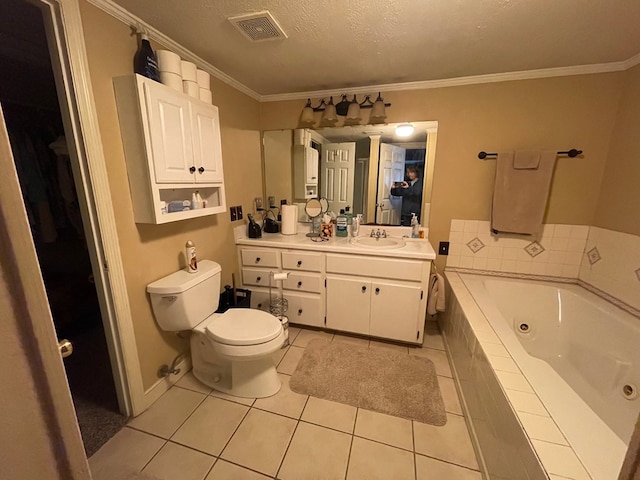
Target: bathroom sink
x: 379, y: 243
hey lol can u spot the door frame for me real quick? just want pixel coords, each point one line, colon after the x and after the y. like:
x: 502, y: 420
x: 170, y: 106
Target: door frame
x: 67, y: 49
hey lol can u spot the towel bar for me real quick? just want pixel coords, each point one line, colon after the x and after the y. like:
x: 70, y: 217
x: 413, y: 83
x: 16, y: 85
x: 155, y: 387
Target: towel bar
x: 569, y: 153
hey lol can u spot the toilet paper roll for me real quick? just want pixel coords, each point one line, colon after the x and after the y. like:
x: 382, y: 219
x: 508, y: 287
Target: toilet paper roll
x: 172, y: 80
x: 205, y: 95
x: 280, y: 276
x: 188, y: 71
x: 190, y: 88
x: 289, y: 219
x: 204, y: 79
x: 169, y: 62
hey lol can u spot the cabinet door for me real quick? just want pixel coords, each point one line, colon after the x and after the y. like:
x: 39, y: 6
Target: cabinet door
x: 170, y: 133
x: 348, y: 304
x: 395, y: 309
x: 207, y: 150
x: 311, y: 166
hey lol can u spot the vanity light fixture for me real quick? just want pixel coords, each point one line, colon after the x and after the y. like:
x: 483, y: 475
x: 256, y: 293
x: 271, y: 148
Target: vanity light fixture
x: 345, y: 108
x: 404, y: 130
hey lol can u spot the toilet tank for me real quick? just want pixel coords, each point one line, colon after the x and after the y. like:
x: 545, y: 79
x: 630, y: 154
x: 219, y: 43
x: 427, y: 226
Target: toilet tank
x: 182, y: 300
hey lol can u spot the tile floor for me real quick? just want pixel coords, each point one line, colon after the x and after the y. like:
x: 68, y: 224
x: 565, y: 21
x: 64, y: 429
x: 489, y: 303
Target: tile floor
x: 195, y: 433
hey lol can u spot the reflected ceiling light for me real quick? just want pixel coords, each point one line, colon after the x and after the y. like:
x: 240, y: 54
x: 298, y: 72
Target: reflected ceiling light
x: 404, y: 130
x: 345, y: 108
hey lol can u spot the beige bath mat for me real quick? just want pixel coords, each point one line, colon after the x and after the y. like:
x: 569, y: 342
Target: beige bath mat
x: 387, y: 382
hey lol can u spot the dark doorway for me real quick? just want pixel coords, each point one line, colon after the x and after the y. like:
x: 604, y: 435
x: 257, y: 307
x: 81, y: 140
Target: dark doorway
x: 34, y: 121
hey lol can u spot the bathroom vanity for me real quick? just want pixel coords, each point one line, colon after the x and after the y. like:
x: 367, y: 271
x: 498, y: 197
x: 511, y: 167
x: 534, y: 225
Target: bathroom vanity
x: 358, y: 286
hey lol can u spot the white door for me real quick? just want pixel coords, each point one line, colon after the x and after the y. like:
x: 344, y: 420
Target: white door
x: 207, y: 150
x: 170, y: 132
x: 338, y: 166
x: 395, y: 308
x: 348, y: 304
x: 390, y: 169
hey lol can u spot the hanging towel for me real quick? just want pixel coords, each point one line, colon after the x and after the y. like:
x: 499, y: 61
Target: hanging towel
x: 435, y: 296
x: 520, y: 195
x: 526, y: 160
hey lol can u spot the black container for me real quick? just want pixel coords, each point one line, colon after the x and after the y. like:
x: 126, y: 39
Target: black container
x: 253, y: 229
x: 145, y: 62
x: 227, y: 300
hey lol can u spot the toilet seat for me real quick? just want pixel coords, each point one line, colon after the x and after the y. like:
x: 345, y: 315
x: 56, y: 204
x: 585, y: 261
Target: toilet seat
x: 243, y: 327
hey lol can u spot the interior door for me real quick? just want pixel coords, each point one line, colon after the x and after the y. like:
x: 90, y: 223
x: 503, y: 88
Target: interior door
x: 338, y: 167
x: 390, y: 169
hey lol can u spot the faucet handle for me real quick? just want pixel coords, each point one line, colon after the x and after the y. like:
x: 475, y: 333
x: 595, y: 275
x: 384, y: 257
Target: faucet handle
x: 384, y: 234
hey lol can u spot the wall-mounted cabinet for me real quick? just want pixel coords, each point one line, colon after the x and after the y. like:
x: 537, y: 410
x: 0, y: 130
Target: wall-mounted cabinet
x: 172, y: 148
x: 305, y: 171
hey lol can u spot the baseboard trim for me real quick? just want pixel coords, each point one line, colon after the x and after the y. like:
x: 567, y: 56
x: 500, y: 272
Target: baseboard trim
x: 165, y: 383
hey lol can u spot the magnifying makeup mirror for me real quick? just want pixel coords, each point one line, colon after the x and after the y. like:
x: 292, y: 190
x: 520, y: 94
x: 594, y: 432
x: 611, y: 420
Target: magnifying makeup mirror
x: 313, y: 209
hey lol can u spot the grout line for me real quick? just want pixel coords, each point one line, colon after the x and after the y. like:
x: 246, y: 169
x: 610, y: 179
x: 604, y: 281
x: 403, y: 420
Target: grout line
x: 290, y: 440
x: 346, y: 472
x: 449, y: 462
x: 415, y: 456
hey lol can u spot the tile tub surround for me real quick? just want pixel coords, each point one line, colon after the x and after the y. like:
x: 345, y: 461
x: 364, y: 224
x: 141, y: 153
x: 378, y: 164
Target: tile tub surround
x: 556, y: 252
x: 480, y: 358
x: 612, y: 264
x: 196, y: 433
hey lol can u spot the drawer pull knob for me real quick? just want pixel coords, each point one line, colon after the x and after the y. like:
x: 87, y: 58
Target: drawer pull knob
x: 364, y: 289
x: 299, y: 284
x: 192, y: 169
x: 258, y: 279
x: 257, y: 259
x: 300, y: 312
x: 201, y: 169
x: 299, y: 263
x: 377, y: 291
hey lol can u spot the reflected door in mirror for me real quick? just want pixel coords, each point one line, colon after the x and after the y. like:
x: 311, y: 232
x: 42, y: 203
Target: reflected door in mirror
x: 338, y: 167
x: 390, y: 169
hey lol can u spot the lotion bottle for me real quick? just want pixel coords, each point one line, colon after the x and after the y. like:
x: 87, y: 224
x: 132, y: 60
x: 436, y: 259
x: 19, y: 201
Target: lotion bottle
x: 190, y: 253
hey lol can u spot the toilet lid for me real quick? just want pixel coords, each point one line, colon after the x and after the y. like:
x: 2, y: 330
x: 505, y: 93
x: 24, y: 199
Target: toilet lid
x: 244, y: 326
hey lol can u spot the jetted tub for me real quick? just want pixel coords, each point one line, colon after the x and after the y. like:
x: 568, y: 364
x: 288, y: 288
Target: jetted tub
x: 578, y: 353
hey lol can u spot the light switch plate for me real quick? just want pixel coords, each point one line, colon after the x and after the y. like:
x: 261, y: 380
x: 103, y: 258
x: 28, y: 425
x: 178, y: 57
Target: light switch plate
x: 233, y: 212
x: 239, y: 212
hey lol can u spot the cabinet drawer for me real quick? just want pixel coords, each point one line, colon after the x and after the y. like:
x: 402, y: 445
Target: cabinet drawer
x: 260, y: 299
x: 259, y: 258
x: 396, y: 268
x: 311, y: 262
x: 303, y: 282
x: 255, y: 276
x: 304, y: 309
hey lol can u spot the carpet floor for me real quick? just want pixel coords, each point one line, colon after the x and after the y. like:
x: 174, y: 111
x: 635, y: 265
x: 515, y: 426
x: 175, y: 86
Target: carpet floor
x: 383, y: 381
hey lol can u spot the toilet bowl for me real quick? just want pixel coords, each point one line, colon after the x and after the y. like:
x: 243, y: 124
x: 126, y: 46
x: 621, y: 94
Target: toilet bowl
x: 230, y: 352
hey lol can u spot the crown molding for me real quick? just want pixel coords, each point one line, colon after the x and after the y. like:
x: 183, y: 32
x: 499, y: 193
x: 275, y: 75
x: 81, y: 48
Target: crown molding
x: 129, y: 18
x: 460, y: 81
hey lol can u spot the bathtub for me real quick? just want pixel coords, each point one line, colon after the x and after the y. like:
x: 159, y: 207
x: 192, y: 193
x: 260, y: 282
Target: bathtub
x: 574, y: 351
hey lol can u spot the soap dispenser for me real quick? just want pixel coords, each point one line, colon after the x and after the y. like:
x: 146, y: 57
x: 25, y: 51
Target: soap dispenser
x: 415, y: 226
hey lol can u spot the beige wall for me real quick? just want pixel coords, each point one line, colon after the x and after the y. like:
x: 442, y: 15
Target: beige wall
x: 564, y: 112
x: 278, y: 165
x: 619, y: 204
x: 152, y: 251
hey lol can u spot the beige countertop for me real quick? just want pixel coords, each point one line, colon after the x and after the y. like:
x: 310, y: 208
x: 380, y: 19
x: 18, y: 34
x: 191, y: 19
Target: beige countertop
x: 416, y: 249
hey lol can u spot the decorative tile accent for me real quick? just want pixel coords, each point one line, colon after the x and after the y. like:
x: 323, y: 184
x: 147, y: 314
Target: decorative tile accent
x: 475, y: 245
x: 593, y: 255
x: 534, y: 249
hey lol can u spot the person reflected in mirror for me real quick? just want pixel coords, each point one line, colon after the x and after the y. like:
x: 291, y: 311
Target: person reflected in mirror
x: 411, y: 192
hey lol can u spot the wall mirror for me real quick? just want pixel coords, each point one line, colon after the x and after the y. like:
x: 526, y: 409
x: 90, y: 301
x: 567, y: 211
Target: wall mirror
x: 354, y: 166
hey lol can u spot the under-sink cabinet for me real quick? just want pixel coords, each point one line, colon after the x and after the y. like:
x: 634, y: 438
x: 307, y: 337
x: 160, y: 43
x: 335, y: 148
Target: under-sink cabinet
x: 172, y: 147
x: 375, y: 296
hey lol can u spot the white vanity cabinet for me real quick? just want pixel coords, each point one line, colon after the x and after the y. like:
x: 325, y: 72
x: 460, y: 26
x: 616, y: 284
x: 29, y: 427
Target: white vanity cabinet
x: 172, y: 147
x: 381, y: 297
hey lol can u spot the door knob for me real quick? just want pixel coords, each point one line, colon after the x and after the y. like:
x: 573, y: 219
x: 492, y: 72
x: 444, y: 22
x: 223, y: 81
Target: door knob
x: 201, y: 169
x: 65, y: 347
x: 192, y: 169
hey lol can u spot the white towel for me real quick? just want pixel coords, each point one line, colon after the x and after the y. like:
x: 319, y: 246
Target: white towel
x: 435, y: 296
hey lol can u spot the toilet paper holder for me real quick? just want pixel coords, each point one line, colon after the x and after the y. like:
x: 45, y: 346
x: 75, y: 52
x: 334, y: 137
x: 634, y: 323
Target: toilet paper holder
x: 278, y: 305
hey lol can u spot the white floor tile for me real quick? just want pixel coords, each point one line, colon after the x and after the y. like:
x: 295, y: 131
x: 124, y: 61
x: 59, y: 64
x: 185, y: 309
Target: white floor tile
x: 450, y: 395
x: 177, y: 462
x: 190, y: 382
x: 438, y: 357
x: 383, y: 428
x: 168, y: 412
x: 211, y: 426
x: 432, y: 469
x: 451, y: 442
x: 376, y: 345
x: 260, y: 442
x: 375, y: 461
x: 232, y: 398
x: 228, y: 471
x: 316, y: 452
x: 330, y: 414
x: 363, y: 342
x: 290, y: 361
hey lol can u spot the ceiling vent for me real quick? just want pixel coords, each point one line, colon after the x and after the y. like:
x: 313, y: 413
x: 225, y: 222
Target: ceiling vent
x: 258, y: 27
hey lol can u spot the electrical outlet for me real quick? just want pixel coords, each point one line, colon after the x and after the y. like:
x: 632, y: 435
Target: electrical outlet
x: 443, y: 248
x: 259, y: 205
x: 272, y: 202
x: 233, y: 211
x: 239, y: 212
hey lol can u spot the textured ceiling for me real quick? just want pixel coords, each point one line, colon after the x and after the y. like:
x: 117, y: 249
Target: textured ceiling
x: 337, y: 44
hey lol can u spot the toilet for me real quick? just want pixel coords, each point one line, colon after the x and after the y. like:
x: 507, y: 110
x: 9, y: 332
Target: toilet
x: 231, y: 351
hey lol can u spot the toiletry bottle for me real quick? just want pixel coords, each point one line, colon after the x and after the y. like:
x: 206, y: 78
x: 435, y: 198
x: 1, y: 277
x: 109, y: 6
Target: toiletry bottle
x: 355, y: 225
x: 341, y: 224
x: 199, y: 201
x: 194, y: 201
x: 145, y: 62
x: 190, y: 253
x: 253, y: 229
x: 415, y: 226
x: 348, y: 214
